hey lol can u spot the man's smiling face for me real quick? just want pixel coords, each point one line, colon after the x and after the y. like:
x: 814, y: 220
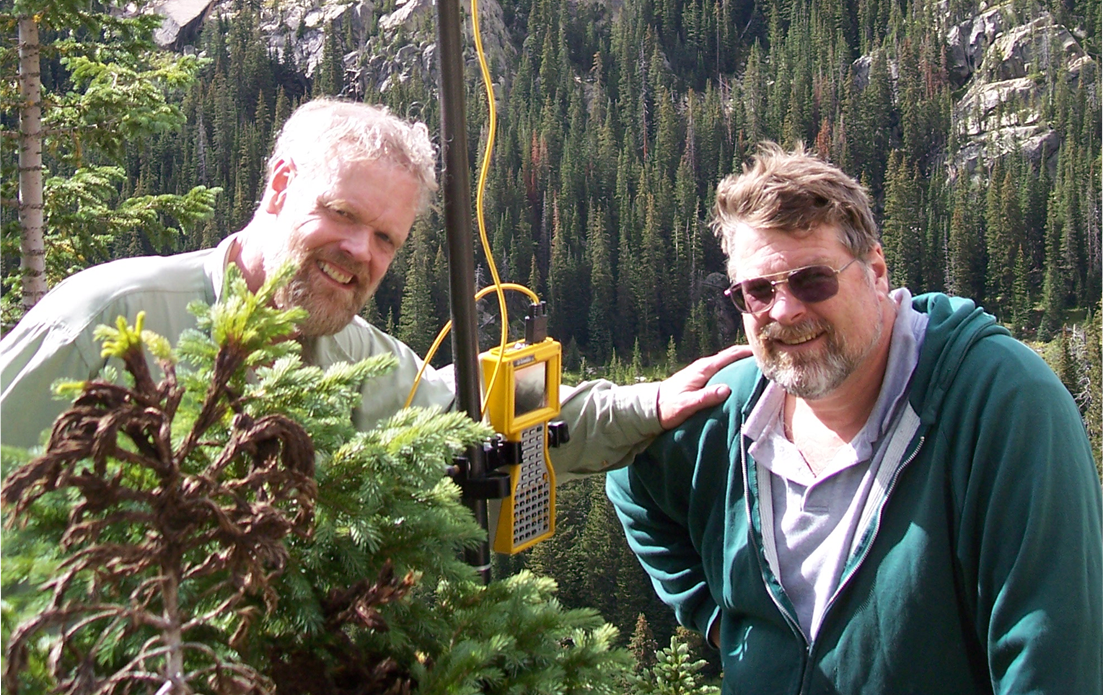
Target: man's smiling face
x: 341, y: 229
x: 810, y: 349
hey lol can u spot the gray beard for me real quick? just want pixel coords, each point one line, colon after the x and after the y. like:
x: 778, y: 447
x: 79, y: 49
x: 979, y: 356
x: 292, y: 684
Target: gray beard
x: 327, y: 312
x: 816, y: 377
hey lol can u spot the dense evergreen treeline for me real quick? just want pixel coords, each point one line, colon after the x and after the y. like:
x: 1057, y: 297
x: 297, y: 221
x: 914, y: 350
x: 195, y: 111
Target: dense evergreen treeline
x: 84, y: 87
x: 613, y: 131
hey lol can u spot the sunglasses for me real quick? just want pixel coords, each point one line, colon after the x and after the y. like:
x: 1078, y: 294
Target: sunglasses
x: 810, y: 284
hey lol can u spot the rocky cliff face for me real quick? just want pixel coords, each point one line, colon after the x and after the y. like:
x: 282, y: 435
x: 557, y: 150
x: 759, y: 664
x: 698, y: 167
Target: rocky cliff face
x: 394, y: 45
x: 1009, y: 67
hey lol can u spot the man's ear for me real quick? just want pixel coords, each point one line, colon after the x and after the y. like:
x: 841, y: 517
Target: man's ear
x: 276, y: 191
x: 875, y: 259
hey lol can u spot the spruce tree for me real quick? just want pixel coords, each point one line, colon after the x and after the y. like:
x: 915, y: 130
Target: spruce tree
x: 876, y: 106
x: 417, y: 322
x: 235, y: 533
x: 560, y: 282
x: 596, y: 541
x: 602, y: 290
x: 1020, y: 318
x: 329, y: 74
x: 1055, y: 284
x: 642, y: 644
x: 967, y: 261
x: 1003, y: 228
x: 675, y: 673
x: 1093, y: 407
x: 902, y: 235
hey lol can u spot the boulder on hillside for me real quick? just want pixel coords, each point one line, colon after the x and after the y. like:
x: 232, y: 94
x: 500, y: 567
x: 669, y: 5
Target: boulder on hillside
x: 181, y: 21
x: 967, y: 42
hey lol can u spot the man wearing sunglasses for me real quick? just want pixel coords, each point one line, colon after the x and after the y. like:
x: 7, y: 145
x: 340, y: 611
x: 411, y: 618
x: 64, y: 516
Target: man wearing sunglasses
x: 897, y: 497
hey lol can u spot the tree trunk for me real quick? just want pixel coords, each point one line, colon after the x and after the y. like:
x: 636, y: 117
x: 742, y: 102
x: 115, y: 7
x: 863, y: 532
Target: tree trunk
x: 173, y: 636
x: 33, y: 254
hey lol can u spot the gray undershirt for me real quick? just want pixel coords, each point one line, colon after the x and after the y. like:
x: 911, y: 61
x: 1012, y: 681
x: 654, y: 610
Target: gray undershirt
x: 810, y: 523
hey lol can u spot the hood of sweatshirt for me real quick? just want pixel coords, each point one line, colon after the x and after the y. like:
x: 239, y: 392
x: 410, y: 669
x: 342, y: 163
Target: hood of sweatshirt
x: 954, y: 325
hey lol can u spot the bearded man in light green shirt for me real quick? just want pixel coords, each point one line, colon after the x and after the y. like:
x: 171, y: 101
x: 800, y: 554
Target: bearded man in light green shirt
x: 345, y: 184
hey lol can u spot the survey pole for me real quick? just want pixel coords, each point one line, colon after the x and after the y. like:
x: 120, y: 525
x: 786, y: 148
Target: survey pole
x: 456, y: 182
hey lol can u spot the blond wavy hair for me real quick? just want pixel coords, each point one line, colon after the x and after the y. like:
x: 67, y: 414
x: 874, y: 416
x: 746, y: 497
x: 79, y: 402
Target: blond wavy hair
x: 325, y: 133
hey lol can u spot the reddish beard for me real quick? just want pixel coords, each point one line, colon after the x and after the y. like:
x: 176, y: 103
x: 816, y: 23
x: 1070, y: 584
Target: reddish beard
x: 329, y: 308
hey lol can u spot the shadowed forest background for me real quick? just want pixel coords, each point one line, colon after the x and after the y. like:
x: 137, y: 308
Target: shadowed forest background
x: 615, y: 123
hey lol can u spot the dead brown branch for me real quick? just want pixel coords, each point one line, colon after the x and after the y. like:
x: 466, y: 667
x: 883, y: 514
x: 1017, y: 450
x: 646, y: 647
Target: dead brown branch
x: 150, y: 518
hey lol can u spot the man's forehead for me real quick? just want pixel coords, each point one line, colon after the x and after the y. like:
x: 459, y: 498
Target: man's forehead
x: 773, y: 248
x: 334, y: 170
x: 745, y: 230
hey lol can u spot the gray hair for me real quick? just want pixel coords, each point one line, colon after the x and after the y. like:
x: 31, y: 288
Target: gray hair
x: 794, y: 192
x: 324, y: 133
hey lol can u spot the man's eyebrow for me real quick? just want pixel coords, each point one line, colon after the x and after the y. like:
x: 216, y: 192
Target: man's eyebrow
x: 340, y: 204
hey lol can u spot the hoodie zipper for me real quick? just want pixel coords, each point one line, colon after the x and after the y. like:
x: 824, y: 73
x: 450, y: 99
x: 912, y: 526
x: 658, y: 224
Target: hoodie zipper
x: 865, y: 548
x: 790, y: 619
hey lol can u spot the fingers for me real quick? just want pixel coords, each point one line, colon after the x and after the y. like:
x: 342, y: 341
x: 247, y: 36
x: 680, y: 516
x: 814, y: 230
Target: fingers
x: 676, y: 409
x: 706, y: 367
x: 726, y: 356
x: 686, y: 392
x: 708, y: 397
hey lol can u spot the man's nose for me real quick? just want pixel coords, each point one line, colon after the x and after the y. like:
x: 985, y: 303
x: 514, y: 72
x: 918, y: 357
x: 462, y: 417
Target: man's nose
x: 358, y: 246
x: 786, y: 308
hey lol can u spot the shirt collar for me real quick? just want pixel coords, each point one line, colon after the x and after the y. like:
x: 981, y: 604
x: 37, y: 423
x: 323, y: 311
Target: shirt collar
x: 215, y: 265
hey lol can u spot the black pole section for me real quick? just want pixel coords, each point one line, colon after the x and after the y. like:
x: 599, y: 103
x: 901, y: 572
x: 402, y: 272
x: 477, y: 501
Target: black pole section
x: 461, y: 255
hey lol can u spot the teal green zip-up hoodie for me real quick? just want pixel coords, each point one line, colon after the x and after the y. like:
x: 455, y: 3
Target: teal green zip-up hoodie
x: 980, y: 564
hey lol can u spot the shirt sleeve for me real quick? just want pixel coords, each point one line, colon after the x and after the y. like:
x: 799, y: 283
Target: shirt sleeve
x: 652, y: 498
x: 32, y: 357
x: 608, y: 426
x: 385, y: 395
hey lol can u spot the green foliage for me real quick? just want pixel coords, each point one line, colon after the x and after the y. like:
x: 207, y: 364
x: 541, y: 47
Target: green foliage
x: 513, y: 637
x: 370, y: 595
x: 1074, y: 355
x: 643, y: 645
x: 174, y: 530
x: 85, y: 215
x: 106, y: 90
x: 418, y: 323
x: 902, y: 236
x: 675, y: 672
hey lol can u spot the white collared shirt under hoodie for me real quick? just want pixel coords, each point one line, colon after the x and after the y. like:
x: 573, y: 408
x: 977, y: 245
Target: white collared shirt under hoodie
x: 810, y: 524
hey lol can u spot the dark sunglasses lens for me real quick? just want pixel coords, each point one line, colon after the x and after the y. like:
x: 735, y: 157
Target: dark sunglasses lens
x: 735, y: 293
x: 815, y: 284
x: 756, y: 294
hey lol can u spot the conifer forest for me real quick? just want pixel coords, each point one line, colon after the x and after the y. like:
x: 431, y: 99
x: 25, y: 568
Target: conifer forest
x: 975, y: 126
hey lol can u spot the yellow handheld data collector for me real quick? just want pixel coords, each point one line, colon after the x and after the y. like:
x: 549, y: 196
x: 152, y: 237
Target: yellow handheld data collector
x: 523, y: 399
